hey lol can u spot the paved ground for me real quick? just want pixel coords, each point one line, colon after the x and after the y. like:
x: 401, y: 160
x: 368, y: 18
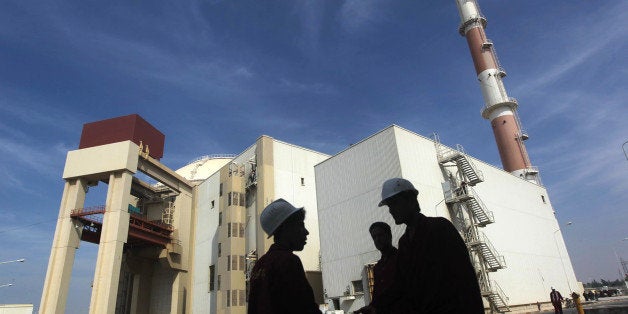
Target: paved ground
x: 603, y: 305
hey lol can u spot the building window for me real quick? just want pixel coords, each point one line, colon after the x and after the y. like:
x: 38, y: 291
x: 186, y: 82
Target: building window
x: 228, y: 230
x: 219, y: 249
x: 220, y: 190
x: 234, y: 230
x: 241, y: 230
x: 228, y: 262
x: 212, y: 204
x: 358, y: 287
x: 229, y: 199
x: 234, y: 297
x: 302, y: 181
x: 543, y: 199
x: 218, y: 283
x: 234, y: 262
x: 220, y: 219
x: 242, y: 262
x: 228, y: 298
x: 242, y: 199
x: 211, y: 278
x: 242, y: 298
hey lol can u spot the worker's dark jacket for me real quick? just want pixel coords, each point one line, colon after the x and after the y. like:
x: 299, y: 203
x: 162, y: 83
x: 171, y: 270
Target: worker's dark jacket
x: 434, y: 273
x: 279, y: 286
x: 384, y: 273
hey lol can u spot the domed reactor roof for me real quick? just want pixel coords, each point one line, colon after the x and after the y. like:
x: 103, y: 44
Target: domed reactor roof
x: 201, y: 168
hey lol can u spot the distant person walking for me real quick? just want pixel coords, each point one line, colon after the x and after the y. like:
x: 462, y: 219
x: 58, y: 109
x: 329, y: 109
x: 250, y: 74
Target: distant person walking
x: 434, y: 272
x: 278, y: 283
x: 384, y: 270
x: 556, y: 299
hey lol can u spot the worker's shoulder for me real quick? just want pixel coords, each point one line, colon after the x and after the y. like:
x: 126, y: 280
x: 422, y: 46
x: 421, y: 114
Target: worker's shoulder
x: 440, y: 223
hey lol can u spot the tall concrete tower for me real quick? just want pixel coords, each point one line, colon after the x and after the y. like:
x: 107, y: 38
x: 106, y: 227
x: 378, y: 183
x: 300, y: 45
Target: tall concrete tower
x: 500, y: 109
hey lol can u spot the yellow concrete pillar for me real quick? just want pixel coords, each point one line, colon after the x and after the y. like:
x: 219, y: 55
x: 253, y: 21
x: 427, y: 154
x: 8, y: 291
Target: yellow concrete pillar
x: 66, y: 240
x: 265, y: 188
x: 115, y: 230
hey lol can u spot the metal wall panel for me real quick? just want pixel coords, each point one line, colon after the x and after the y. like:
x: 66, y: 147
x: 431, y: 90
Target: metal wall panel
x: 205, y: 244
x: 291, y: 164
x: 525, y: 231
x: 348, y: 191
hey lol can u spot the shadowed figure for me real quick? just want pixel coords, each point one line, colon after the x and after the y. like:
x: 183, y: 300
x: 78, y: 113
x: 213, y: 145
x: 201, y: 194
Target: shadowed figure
x: 434, y: 272
x: 384, y: 270
x: 278, y: 282
x: 556, y: 299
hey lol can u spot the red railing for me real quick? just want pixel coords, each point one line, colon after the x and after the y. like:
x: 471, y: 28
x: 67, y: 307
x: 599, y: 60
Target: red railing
x: 140, y: 228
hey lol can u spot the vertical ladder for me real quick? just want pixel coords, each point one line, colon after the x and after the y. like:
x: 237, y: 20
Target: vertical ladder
x: 167, y: 216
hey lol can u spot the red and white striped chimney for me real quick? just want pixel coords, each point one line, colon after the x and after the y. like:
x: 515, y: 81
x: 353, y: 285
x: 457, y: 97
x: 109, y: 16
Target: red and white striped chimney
x: 500, y: 109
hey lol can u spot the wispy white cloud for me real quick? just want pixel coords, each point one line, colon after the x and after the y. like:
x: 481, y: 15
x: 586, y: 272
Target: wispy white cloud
x: 298, y: 87
x: 31, y: 110
x: 587, y: 41
x: 358, y: 14
x: 311, y: 17
x: 243, y: 71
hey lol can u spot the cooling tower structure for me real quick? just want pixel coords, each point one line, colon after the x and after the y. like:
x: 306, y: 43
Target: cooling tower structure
x: 500, y: 109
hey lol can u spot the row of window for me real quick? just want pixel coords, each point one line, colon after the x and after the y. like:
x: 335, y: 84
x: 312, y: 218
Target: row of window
x: 235, y: 199
x: 236, y: 297
x: 236, y: 262
x: 235, y: 229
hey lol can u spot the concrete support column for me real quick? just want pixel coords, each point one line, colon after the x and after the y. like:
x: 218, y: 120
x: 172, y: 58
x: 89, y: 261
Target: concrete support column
x: 66, y: 240
x: 115, y: 231
x: 265, y: 188
x: 142, y: 284
x: 179, y: 293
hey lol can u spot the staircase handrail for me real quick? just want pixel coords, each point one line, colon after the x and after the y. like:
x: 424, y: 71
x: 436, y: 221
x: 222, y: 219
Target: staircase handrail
x: 498, y: 290
x: 500, y: 259
x: 443, y: 152
x: 471, y: 237
x: 471, y: 192
x: 475, y: 169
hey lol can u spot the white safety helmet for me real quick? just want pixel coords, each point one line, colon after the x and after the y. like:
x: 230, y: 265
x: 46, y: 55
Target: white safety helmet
x: 392, y: 187
x: 275, y: 214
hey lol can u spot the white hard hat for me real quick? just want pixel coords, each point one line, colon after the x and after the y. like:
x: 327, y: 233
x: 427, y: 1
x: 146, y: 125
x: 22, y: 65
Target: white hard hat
x: 392, y: 187
x: 275, y: 214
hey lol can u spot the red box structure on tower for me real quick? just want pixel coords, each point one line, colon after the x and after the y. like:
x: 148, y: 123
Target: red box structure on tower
x: 126, y: 128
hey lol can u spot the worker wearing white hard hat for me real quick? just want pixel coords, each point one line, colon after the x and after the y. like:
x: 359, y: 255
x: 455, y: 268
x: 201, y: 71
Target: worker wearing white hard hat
x: 434, y: 273
x: 392, y: 187
x: 278, y: 282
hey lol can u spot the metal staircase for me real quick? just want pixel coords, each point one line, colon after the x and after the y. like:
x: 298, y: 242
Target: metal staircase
x: 467, y: 197
x: 495, y: 295
x: 472, y: 175
x: 480, y: 243
x: 468, y: 214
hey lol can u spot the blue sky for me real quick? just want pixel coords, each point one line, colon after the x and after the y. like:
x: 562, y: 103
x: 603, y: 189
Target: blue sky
x: 319, y: 74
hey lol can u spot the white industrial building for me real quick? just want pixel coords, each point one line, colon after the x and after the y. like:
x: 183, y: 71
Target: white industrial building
x: 268, y: 170
x: 527, y: 255
x: 183, y: 241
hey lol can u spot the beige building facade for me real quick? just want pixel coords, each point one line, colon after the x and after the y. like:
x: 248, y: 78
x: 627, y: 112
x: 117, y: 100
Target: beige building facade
x: 232, y: 200
x: 183, y: 242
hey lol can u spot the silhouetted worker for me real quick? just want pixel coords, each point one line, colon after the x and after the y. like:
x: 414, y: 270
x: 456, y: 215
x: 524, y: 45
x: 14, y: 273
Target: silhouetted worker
x: 556, y: 299
x: 434, y: 272
x: 278, y: 283
x: 384, y: 270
